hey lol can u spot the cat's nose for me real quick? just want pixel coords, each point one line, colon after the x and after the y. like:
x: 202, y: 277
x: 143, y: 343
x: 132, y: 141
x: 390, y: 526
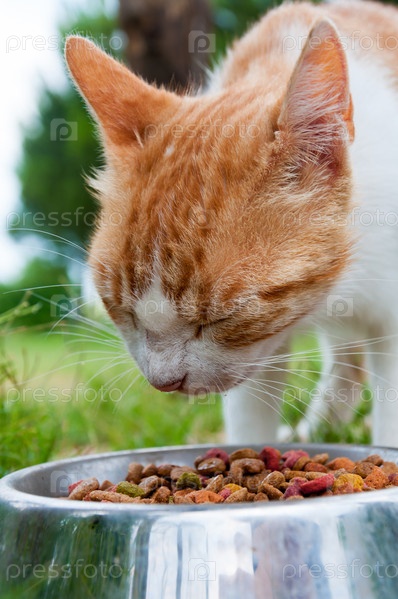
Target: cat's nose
x: 168, y: 386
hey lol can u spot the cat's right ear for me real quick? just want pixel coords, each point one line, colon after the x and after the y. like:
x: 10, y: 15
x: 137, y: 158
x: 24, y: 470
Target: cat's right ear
x: 125, y: 107
x: 316, y: 113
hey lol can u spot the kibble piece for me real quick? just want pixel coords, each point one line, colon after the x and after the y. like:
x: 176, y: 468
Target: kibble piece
x: 149, y: 470
x: 293, y: 497
x: 84, y: 488
x: 165, y: 469
x: 271, y: 458
x: 130, y: 489
x: 271, y: 492
x: 245, y: 453
x: 177, y: 471
x: 275, y: 479
x: 215, y: 484
x: 261, y: 497
x: 393, y: 478
x: 253, y: 481
x: 377, y: 479
x: 225, y: 493
x: 233, y: 488
x: 247, y: 465
x: 291, y: 457
x: 320, y: 458
x: 211, y: 466
x: 205, y: 496
x: 189, y: 480
x: 293, y: 490
x: 237, y: 497
x: 182, y: 492
x: 294, y: 474
x: 112, y: 497
x: 134, y: 473
x: 74, y: 485
x: 363, y: 469
x: 283, y: 486
x: 347, y: 483
x: 389, y: 467
x: 162, y: 495
x: 106, y: 485
x: 301, y: 463
x: 341, y: 462
x: 149, y: 484
x: 218, y: 453
x: 315, y: 467
x: 318, y: 485
x: 375, y: 459
x: 314, y: 475
x: 183, y: 499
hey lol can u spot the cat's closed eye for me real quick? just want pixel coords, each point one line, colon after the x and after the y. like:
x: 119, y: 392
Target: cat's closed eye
x: 201, y: 328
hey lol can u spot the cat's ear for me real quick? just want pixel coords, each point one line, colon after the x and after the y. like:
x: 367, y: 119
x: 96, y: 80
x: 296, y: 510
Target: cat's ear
x: 123, y: 104
x: 317, y: 108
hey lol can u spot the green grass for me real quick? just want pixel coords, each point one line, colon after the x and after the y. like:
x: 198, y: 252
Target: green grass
x: 75, y: 391
x: 62, y: 396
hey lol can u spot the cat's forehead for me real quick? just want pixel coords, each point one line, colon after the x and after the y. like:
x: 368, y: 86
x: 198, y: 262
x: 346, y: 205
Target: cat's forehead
x: 225, y: 128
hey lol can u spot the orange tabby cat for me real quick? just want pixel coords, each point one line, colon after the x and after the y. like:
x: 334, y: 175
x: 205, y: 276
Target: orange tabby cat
x: 232, y: 217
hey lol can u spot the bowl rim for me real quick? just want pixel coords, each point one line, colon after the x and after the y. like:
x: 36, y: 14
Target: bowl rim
x: 9, y: 494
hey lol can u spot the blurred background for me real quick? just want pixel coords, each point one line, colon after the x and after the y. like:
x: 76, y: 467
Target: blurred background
x: 67, y: 385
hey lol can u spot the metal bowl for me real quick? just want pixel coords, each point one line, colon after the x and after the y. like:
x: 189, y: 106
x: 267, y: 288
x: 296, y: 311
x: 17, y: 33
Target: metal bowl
x: 341, y: 547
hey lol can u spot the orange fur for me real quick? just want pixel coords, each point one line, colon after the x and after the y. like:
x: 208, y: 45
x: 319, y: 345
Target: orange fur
x: 237, y: 198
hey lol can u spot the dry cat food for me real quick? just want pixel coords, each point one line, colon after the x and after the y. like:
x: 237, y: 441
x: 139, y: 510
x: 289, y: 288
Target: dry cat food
x: 242, y: 476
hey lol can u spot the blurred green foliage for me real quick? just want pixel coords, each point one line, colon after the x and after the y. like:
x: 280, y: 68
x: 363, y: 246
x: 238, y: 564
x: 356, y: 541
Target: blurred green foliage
x: 27, y: 432
x: 44, y: 286
x: 58, y: 148
x: 233, y: 17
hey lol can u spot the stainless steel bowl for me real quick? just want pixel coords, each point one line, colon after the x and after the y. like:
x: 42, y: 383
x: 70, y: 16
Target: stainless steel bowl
x: 342, y: 547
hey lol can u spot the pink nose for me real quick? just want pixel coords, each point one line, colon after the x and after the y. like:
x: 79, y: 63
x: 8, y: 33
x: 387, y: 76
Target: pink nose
x: 169, y: 387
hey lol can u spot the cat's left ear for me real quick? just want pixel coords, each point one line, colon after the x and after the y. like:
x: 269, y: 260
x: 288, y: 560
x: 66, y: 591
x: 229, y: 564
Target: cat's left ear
x: 127, y: 109
x: 317, y: 111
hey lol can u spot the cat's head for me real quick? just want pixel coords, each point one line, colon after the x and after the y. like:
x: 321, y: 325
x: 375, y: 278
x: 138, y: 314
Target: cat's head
x: 223, y: 215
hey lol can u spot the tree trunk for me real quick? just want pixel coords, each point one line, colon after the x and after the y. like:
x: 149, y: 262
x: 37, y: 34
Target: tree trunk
x: 169, y: 41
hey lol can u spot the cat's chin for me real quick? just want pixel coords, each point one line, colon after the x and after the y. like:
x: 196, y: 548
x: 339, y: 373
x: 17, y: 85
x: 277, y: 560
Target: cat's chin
x: 192, y: 390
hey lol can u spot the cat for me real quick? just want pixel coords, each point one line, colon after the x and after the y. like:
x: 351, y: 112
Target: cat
x: 262, y: 205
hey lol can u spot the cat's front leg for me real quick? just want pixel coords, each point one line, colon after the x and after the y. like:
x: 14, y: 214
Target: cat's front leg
x: 252, y: 410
